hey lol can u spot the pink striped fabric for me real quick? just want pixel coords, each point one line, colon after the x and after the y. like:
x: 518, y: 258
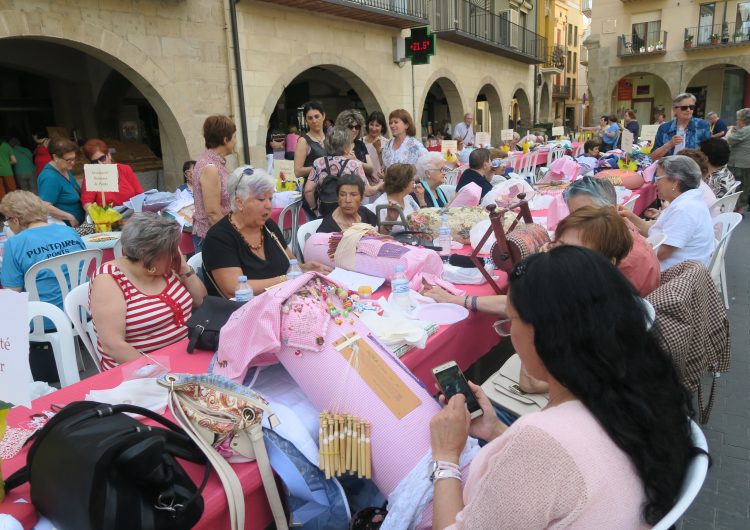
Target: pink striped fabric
x: 151, y: 321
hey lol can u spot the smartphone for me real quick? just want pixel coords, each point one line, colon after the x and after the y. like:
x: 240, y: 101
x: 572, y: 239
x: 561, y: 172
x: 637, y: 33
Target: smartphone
x: 451, y: 380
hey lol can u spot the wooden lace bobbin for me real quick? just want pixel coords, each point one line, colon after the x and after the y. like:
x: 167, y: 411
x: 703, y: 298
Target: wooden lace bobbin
x: 348, y: 443
x: 342, y: 444
x: 361, y: 436
x: 368, y: 455
x: 355, y: 448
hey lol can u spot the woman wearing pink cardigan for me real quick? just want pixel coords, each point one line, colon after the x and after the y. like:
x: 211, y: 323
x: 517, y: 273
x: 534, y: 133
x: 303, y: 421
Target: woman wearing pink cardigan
x: 610, y: 449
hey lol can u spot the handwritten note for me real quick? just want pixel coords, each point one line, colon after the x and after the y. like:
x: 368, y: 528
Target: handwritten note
x: 506, y: 135
x: 283, y: 170
x: 482, y: 139
x: 449, y: 145
x: 627, y: 141
x: 648, y: 132
x: 15, y: 374
x: 101, y: 177
x: 558, y: 131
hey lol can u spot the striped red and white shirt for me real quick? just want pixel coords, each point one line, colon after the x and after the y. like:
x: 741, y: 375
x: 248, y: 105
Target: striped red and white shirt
x: 151, y: 321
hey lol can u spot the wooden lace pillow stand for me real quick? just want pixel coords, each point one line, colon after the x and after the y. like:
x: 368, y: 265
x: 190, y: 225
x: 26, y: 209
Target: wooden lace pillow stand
x: 504, y: 255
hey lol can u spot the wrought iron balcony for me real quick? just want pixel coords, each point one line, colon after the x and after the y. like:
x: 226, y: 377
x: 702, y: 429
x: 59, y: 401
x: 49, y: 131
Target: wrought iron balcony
x: 561, y: 91
x: 465, y: 23
x: 653, y: 43
x: 717, y: 35
x: 555, y: 60
x: 394, y: 13
x: 584, y: 58
x: 586, y: 7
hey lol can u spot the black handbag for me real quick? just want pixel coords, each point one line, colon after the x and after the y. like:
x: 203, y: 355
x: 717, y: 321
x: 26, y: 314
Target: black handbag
x: 93, y: 467
x: 206, y: 322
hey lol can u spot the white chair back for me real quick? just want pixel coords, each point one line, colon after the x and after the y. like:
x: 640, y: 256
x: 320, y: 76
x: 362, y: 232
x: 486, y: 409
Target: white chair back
x: 724, y: 224
x: 449, y: 190
x: 656, y: 240
x: 70, y: 270
x: 631, y: 202
x: 529, y: 165
x: 292, y: 211
x: 65, y: 352
x: 77, y: 308
x: 726, y: 204
x: 733, y: 187
x: 196, y: 261
x: 691, y: 484
x: 554, y: 154
x: 304, y: 232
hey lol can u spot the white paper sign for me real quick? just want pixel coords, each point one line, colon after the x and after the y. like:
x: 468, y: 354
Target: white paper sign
x: 648, y: 132
x: 101, y: 177
x: 15, y: 374
x: 449, y: 145
x: 558, y: 131
x: 506, y: 135
x: 482, y: 139
x: 627, y: 141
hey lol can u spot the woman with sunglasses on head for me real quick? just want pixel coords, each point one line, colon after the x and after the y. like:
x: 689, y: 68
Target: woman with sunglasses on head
x: 611, y: 447
x: 247, y: 241
x: 97, y: 152
x: 57, y: 185
x: 682, y: 131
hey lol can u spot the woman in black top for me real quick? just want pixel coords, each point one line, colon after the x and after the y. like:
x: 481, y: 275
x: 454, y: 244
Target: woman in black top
x: 310, y: 146
x: 246, y: 241
x: 350, y: 191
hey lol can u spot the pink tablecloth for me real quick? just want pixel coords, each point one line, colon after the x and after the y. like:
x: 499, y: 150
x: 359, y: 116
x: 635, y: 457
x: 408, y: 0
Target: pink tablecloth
x: 518, y: 160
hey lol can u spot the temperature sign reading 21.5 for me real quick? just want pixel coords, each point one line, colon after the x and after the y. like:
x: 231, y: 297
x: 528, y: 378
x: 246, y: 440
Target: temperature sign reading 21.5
x: 420, y: 45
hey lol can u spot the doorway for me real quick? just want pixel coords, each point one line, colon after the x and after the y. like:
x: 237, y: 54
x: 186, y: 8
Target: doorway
x: 643, y: 109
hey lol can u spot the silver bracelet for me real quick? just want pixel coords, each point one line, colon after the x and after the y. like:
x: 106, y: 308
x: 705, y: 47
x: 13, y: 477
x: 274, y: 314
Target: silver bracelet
x: 442, y: 474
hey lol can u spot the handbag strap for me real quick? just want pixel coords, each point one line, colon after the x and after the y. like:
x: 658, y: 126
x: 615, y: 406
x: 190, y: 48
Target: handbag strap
x: 266, y: 475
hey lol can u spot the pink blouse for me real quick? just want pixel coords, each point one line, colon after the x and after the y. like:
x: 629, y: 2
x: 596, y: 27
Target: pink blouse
x: 201, y: 223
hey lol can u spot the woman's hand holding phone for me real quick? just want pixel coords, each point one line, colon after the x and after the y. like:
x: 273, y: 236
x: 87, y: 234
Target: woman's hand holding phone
x: 487, y: 426
x: 449, y: 430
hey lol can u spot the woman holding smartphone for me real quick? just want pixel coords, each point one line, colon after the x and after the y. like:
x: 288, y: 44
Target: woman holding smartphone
x: 622, y: 465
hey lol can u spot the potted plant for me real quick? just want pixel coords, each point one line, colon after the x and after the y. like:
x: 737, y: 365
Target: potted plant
x: 650, y: 49
x: 688, y: 41
x: 659, y: 46
x: 715, y: 39
x: 737, y: 36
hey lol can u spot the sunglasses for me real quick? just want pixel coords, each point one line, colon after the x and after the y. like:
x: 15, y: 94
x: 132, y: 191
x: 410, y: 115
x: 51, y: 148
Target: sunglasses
x: 248, y: 172
x: 101, y: 159
x: 684, y: 107
x: 355, y: 127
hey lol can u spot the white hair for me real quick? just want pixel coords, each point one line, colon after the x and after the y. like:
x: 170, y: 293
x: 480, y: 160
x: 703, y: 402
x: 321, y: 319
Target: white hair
x: 680, y: 97
x: 428, y: 161
x: 246, y: 181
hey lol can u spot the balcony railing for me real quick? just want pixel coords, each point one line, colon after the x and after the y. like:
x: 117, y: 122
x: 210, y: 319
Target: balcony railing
x: 470, y: 25
x: 652, y: 43
x: 586, y: 7
x: 395, y: 13
x: 555, y: 60
x: 561, y: 91
x: 710, y: 36
x: 584, y: 58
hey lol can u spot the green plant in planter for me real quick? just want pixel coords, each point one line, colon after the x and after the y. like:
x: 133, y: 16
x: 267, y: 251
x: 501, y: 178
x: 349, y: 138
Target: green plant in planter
x: 715, y: 38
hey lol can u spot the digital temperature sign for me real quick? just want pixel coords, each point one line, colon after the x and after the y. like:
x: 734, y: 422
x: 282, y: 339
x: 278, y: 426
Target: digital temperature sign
x: 420, y: 45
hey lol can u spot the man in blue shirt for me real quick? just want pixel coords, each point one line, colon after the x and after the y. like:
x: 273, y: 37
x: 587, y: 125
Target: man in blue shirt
x: 718, y: 126
x: 480, y: 169
x: 683, y: 131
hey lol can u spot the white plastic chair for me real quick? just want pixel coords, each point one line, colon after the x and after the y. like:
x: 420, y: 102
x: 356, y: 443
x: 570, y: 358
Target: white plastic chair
x: 656, y: 240
x: 449, y: 190
x: 554, y: 154
x: 63, y: 345
x: 691, y: 484
x: 726, y: 223
x: 726, y: 204
x: 196, y: 261
x: 529, y: 165
x: 733, y: 187
x: 304, y: 232
x: 292, y: 210
x: 631, y: 202
x: 77, y: 308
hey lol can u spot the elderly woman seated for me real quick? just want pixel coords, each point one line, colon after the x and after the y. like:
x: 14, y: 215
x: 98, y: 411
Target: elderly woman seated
x: 616, y: 468
x: 350, y: 191
x: 141, y: 301
x: 686, y: 222
x: 431, y: 172
x: 399, y: 184
x: 35, y: 240
x: 247, y: 241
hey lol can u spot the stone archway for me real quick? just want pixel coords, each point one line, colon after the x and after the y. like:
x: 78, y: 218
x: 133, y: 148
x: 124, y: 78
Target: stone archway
x: 544, y: 104
x: 490, y: 94
x: 446, y: 83
x: 521, y: 109
x: 719, y: 88
x: 129, y: 60
x: 348, y: 71
x: 643, y: 92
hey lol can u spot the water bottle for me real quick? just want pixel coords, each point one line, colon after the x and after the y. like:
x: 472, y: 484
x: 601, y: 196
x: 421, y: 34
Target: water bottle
x: 444, y: 237
x: 401, y: 297
x: 294, y: 271
x: 243, y: 292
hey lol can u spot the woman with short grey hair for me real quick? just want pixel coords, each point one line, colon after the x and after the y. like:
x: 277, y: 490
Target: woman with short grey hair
x: 431, y: 172
x: 686, y: 222
x: 684, y: 131
x: 141, y: 301
x: 739, y: 159
x: 247, y: 242
x: 320, y: 188
x: 590, y: 191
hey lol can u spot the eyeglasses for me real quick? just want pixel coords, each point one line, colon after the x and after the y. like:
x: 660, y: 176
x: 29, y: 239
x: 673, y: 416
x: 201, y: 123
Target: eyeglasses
x: 355, y: 127
x: 684, y: 107
x: 101, y: 159
x: 657, y: 178
x: 70, y: 160
x: 502, y: 327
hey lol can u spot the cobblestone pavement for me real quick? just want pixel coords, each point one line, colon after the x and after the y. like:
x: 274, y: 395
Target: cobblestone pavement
x: 724, y: 501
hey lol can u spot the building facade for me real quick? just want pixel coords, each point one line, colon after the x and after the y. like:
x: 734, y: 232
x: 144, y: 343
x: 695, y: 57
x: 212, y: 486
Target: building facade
x: 104, y: 67
x: 642, y: 54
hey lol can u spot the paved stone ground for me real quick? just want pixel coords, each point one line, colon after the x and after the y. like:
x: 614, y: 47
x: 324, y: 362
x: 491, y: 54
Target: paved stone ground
x: 724, y: 501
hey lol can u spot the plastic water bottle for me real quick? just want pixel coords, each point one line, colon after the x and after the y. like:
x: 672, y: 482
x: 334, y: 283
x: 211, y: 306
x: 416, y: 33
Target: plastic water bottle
x: 400, y: 290
x: 243, y: 292
x: 445, y: 238
x: 294, y: 271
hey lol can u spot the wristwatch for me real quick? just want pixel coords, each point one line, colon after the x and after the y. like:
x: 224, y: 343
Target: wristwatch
x: 440, y: 469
